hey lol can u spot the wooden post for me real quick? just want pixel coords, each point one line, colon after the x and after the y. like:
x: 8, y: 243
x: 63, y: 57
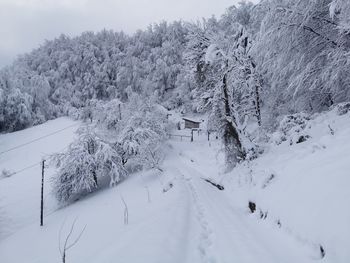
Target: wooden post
x: 42, y: 194
x: 208, y: 136
x: 192, y: 135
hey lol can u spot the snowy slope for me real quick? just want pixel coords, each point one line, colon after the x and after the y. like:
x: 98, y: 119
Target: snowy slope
x: 309, y: 192
x: 193, y: 221
x: 20, y: 193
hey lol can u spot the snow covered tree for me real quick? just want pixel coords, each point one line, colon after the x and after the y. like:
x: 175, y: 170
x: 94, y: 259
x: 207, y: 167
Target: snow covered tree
x: 108, y: 113
x: 86, y: 160
x: 303, y: 54
x: 204, y: 76
x: 233, y: 85
x: 142, y: 133
x: 16, y: 110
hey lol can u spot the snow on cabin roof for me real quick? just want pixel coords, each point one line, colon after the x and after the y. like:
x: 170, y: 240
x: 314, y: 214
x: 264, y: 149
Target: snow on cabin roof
x: 194, y: 121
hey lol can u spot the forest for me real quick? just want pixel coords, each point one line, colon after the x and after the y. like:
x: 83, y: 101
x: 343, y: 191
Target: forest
x: 224, y: 139
x: 246, y: 70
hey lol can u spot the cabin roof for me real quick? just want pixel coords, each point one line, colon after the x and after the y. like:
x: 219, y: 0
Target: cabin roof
x: 193, y: 121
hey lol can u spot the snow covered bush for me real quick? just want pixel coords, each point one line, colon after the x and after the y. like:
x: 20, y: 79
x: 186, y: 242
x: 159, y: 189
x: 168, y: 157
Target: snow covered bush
x: 292, y: 128
x: 80, y: 168
x: 343, y: 108
x: 6, y: 173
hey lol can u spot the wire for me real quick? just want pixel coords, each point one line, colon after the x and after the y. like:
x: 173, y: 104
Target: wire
x: 37, y: 139
x: 23, y: 169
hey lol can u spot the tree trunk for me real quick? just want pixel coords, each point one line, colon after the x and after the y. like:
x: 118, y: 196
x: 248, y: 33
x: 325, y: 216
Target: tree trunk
x: 95, y: 178
x: 233, y: 145
x: 258, y: 111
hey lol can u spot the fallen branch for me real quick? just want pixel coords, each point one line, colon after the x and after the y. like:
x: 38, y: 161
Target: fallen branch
x: 218, y: 186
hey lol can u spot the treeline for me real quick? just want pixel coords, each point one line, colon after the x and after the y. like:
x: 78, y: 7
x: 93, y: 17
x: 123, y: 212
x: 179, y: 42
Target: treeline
x: 64, y: 75
x: 253, y: 65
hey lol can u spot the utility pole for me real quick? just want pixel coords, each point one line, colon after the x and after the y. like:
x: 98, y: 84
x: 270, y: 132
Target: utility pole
x: 42, y: 194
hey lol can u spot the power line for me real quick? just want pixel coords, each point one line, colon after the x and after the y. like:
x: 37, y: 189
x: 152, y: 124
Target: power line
x: 35, y: 164
x: 48, y: 157
x: 37, y: 139
x: 23, y: 169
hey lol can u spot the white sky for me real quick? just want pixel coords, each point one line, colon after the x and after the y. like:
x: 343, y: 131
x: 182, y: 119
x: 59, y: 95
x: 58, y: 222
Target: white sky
x: 25, y: 24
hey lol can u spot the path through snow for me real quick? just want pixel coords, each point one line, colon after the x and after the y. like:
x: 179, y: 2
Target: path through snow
x: 227, y: 234
x: 193, y: 222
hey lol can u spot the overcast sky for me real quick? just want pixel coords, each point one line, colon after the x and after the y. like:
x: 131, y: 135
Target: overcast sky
x: 25, y: 24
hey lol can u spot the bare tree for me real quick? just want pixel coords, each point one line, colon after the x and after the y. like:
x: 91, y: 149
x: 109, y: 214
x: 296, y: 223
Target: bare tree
x: 66, y: 244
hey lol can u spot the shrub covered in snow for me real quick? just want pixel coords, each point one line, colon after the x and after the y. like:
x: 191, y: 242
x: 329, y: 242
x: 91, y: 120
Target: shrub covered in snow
x: 6, y: 173
x: 343, y: 108
x: 292, y: 128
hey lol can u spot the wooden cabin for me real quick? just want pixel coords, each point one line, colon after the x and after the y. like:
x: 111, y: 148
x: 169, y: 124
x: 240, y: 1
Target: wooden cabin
x: 191, y: 124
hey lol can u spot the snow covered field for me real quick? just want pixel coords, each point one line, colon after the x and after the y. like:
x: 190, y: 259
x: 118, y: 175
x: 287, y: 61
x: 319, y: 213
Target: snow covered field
x: 176, y: 216
x: 20, y: 193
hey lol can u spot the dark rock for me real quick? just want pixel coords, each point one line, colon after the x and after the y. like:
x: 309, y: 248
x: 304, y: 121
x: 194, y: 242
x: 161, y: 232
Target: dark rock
x: 252, y: 207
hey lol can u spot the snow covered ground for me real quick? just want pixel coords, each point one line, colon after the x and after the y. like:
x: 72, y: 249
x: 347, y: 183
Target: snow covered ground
x: 176, y: 216
x: 20, y: 193
x: 305, y: 187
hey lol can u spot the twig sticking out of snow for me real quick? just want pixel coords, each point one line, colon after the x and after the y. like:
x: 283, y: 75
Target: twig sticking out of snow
x: 126, y: 211
x: 330, y: 129
x: 148, y: 194
x: 322, y: 251
x: 66, y: 245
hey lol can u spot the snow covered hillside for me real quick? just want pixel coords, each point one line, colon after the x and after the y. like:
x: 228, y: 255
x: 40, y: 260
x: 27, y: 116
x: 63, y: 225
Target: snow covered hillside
x: 219, y: 140
x: 303, y: 188
x: 20, y: 158
x: 177, y: 216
